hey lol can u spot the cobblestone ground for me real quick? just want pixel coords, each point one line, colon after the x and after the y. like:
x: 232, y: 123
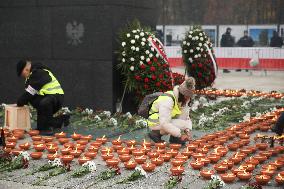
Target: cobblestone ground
x: 191, y: 179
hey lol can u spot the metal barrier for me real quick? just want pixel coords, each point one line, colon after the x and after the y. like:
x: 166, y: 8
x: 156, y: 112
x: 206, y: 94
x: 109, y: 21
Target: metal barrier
x: 237, y: 58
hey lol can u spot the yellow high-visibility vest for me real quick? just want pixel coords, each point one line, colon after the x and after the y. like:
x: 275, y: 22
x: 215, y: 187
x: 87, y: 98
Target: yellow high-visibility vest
x: 53, y: 87
x: 153, y: 118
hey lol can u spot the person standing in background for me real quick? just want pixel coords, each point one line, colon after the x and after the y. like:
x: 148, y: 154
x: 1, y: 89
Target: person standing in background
x: 227, y: 40
x: 276, y: 40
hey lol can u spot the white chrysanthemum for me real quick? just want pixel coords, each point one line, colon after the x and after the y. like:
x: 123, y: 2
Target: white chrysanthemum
x: 157, y: 55
x: 134, y: 31
x: 198, y: 48
x: 196, y: 38
x: 25, y: 155
x: 196, y: 56
x: 201, y: 39
x: 107, y: 113
x: 191, y: 50
x: 142, y: 34
x: 113, y: 121
x: 133, y: 48
x: 132, y: 41
x: 148, y: 60
x: 123, y: 53
x: 142, y: 57
x: 132, y: 59
x: 190, y: 32
x: 141, y: 63
x: 199, y: 55
x: 201, y: 49
x: 123, y: 60
x: 189, y: 36
x: 184, y: 42
x: 185, y: 51
x: 128, y: 35
x: 131, y: 68
x: 142, y: 171
x: 147, y: 51
x: 150, y: 55
x: 123, y: 44
x: 200, y: 34
x: 144, y: 39
x: 98, y: 118
x: 128, y: 115
x: 136, y: 36
x: 188, y: 44
x: 200, y: 44
x: 143, y: 43
x: 137, y: 49
x: 190, y: 60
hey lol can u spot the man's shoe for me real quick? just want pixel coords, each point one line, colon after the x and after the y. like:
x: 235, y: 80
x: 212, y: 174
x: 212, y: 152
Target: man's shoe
x: 46, y: 132
x: 176, y: 140
x: 155, y: 136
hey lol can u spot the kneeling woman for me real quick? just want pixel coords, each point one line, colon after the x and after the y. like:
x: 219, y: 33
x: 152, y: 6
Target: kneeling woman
x: 169, y: 114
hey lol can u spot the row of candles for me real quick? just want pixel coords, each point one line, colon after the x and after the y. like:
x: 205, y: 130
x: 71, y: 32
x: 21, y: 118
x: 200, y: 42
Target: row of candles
x: 238, y: 93
x: 149, y: 157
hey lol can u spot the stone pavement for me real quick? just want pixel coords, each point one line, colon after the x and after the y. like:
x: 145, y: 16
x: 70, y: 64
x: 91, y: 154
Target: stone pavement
x: 254, y: 80
x: 191, y: 179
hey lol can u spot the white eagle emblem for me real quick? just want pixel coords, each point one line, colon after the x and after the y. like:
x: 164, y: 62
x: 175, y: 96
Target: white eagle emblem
x: 74, y: 32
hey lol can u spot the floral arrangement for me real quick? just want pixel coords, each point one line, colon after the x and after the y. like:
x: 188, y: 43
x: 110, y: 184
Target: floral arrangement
x: 173, y: 182
x: 86, y: 168
x: 252, y: 185
x: 178, y: 78
x: 137, y: 174
x: 18, y: 162
x: 57, y: 168
x: 215, y: 183
x: 198, y: 56
x: 142, y: 61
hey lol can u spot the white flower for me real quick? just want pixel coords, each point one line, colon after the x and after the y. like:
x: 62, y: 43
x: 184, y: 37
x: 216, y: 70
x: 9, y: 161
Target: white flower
x: 190, y: 59
x: 133, y: 48
x: 136, y: 36
x: 198, y: 48
x: 137, y: 49
x: 131, y: 68
x: 147, y: 52
x: 201, y: 39
x: 123, y: 60
x: 200, y: 44
x: 123, y: 44
x: 142, y: 172
x: 148, y: 60
x: 142, y: 34
x: 190, y: 36
x: 132, y: 41
x: 196, y: 38
x: 188, y: 44
x: 141, y: 63
x: 184, y: 42
x: 113, y: 121
x: 150, y: 55
x: 196, y: 56
x: 88, y: 111
x: 191, y: 50
x: 128, y: 35
x: 66, y: 110
x: 123, y: 53
x: 56, y: 162
x: 128, y: 115
x: 91, y: 165
x: 107, y: 113
x: 144, y: 39
x: 142, y: 57
x: 134, y: 31
x: 199, y: 55
x: 152, y: 49
x: 132, y: 59
x: 141, y: 122
x: 200, y: 34
x: 98, y: 118
x: 143, y: 43
x: 25, y: 155
x: 201, y: 49
x: 185, y: 51
x: 190, y: 32
x: 157, y: 55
